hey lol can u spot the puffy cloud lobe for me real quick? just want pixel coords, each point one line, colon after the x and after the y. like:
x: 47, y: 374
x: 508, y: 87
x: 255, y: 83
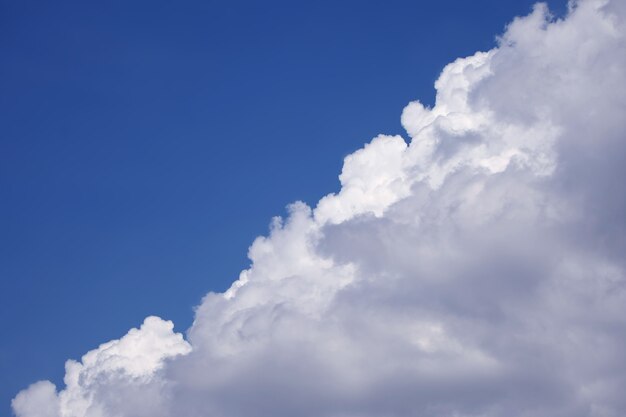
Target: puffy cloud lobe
x: 40, y: 399
x: 476, y: 270
x: 120, y: 377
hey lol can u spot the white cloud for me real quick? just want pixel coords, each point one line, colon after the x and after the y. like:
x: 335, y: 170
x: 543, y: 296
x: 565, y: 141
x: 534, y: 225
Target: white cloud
x: 117, y: 378
x: 475, y: 270
x: 39, y: 400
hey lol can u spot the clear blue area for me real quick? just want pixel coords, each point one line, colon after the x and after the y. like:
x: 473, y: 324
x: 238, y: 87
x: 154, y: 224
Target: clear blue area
x: 144, y: 144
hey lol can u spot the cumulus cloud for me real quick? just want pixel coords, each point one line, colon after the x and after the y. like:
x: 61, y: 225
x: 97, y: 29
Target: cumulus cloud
x: 120, y: 377
x: 476, y: 269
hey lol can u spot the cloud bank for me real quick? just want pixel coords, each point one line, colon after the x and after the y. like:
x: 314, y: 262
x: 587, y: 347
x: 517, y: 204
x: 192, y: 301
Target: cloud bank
x: 476, y: 269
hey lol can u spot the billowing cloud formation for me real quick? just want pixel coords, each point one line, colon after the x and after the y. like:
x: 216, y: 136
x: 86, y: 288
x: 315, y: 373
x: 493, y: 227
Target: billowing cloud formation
x: 117, y: 378
x: 478, y: 270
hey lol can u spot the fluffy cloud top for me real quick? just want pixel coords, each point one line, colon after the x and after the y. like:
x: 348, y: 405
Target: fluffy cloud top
x: 477, y: 270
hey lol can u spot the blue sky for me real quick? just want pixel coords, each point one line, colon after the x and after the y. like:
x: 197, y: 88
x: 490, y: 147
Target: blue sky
x: 143, y: 145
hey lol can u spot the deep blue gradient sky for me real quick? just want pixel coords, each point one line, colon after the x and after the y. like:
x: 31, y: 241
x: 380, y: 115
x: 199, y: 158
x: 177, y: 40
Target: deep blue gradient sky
x: 143, y: 145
